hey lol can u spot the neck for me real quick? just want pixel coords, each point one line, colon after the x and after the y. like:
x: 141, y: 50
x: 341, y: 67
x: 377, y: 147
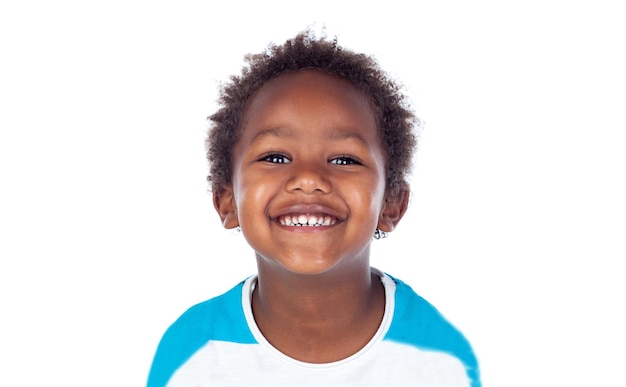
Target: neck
x: 318, y: 318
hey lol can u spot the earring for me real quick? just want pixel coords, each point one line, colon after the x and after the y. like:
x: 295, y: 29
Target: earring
x: 238, y: 229
x: 380, y: 234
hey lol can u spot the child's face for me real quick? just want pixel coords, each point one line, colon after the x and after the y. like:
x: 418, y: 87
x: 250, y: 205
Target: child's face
x: 309, y: 153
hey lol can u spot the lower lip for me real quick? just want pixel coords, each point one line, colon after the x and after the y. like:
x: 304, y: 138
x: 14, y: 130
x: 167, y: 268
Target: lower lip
x: 305, y: 229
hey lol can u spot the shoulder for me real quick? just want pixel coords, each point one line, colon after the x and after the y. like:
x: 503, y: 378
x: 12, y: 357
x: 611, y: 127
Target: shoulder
x: 220, y: 318
x: 417, y: 319
x: 418, y: 323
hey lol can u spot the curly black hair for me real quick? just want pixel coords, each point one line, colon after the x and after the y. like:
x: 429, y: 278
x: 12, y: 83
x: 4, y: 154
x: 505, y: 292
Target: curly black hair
x: 396, y: 121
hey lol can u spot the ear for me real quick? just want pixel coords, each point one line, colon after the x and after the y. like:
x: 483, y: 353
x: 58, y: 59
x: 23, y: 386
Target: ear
x: 224, y: 203
x: 394, y: 209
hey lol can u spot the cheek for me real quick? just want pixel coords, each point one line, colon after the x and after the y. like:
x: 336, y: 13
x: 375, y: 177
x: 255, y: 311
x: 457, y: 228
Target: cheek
x: 252, y: 196
x: 378, y: 197
x: 369, y: 199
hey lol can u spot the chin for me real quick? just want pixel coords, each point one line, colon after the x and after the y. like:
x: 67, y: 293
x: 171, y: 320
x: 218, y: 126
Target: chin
x: 309, y: 269
x: 306, y: 265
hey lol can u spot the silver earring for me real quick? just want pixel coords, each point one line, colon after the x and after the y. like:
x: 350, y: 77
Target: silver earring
x: 238, y: 229
x: 380, y: 234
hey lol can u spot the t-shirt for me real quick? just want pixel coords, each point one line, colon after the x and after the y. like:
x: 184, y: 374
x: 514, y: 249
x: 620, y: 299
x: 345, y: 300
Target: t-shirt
x: 217, y: 343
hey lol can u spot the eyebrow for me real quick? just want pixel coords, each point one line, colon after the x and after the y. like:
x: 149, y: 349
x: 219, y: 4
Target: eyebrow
x: 283, y: 133
x: 275, y: 132
x: 346, y: 134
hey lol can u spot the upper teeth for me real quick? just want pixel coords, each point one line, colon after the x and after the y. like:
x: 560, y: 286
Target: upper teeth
x: 305, y: 220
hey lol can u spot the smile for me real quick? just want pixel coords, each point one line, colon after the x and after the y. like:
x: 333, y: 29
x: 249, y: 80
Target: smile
x: 306, y: 220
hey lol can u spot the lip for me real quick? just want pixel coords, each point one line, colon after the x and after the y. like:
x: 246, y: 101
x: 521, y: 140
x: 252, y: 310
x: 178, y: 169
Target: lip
x: 307, y: 209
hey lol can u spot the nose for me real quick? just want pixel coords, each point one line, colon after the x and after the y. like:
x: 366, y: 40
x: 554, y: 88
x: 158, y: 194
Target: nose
x: 309, y: 178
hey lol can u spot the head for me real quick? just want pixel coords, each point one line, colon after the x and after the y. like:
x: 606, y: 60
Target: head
x: 395, y: 120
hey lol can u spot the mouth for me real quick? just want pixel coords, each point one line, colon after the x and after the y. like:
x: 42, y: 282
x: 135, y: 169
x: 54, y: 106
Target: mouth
x: 307, y: 220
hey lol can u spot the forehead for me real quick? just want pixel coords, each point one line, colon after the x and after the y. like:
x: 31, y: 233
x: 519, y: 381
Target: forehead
x: 310, y: 95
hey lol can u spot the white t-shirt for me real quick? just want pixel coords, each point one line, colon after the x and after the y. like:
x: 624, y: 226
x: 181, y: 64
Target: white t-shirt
x: 217, y: 343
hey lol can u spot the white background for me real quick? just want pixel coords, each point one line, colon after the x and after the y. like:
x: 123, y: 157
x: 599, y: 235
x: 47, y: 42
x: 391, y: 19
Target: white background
x: 516, y: 229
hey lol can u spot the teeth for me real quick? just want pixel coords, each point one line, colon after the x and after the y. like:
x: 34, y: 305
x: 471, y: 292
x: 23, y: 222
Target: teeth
x: 305, y: 220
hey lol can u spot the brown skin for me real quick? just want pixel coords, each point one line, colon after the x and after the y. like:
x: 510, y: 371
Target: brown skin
x: 310, y: 146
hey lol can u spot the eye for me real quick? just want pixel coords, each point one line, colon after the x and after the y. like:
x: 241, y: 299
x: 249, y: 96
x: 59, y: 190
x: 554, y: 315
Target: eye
x: 275, y: 158
x: 344, y: 160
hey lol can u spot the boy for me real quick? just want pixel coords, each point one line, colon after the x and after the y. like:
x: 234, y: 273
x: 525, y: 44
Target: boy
x: 309, y: 154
